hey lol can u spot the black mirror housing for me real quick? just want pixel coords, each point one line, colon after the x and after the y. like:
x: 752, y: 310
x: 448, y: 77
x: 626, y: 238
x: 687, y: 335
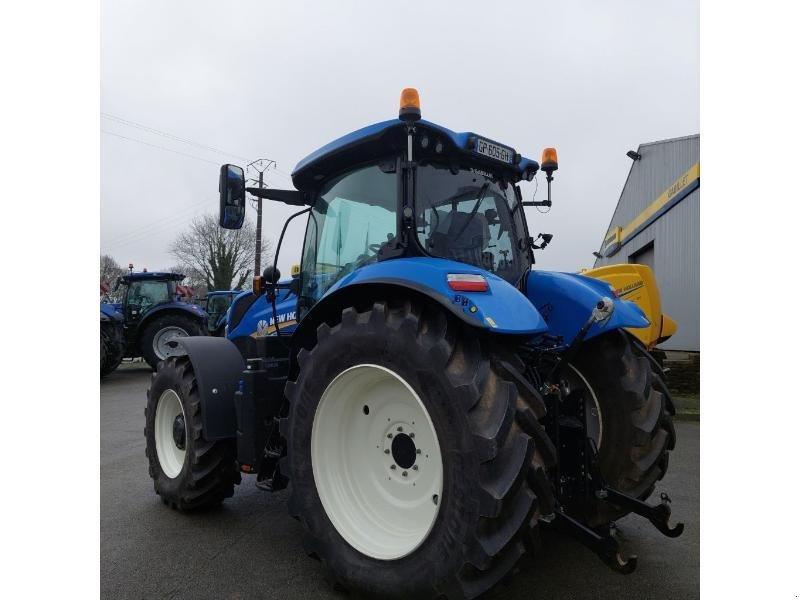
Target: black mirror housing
x: 231, y: 197
x: 271, y: 274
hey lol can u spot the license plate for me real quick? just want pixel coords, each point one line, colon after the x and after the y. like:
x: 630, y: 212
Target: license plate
x: 495, y: 151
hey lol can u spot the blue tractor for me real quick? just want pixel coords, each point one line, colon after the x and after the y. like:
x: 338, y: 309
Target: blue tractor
x: 216, y: 304
x: 431, y: 399
x: 153, y: 316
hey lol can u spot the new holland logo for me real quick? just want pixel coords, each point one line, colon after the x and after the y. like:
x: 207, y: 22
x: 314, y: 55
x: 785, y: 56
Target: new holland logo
x: 264, y: 327
x: 261, y: 328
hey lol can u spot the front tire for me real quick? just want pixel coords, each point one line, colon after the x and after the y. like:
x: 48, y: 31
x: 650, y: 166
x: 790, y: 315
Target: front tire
x: 629, y: 417
x: 188, y: 471
x: 397, y: 371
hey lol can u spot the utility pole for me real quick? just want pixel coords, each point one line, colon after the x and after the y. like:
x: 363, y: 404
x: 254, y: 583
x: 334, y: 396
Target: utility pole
x: 261, y: 166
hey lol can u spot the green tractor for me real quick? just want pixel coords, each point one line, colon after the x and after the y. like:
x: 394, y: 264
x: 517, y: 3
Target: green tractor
x: 432, y: 400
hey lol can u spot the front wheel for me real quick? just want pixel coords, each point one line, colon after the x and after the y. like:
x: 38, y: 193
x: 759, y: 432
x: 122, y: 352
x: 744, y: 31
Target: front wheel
x: 409, y: 461
x: 157, y: 341
x: 188, y: 471
x: 628, y: 416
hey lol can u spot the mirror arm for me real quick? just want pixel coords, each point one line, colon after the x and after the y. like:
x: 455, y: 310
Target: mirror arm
x: 292, y: 197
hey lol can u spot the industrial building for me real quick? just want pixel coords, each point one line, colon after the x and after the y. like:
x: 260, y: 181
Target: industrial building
x: 657, y: 223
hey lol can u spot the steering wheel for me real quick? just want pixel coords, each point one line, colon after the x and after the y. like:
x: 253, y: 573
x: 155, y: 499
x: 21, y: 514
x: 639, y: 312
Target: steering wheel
x: 375, y: 248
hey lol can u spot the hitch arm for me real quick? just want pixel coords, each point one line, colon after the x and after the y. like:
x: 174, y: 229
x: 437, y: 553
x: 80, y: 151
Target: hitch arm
x: 604, y: 546
x: 658, y: 515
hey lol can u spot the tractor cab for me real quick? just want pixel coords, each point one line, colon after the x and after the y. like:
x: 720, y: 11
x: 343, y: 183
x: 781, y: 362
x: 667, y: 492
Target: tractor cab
x: 144, y: 291
x: 404, y: 188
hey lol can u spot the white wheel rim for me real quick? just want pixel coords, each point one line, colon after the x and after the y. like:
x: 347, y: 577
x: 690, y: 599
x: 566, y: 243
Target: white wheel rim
x: 162, y: 339
x: 170, y: 456
x: 591, y: 406
x: 378, y: 501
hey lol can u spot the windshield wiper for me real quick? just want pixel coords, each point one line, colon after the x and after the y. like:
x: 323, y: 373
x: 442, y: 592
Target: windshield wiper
x: 472, y: 214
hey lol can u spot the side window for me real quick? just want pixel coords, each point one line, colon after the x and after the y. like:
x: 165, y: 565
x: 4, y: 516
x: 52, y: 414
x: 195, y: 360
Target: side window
x: 353, y: 218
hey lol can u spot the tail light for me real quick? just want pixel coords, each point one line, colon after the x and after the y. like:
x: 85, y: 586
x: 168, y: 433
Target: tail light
x: 467, y: 282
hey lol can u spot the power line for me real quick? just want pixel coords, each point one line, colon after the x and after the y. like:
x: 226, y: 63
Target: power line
x: 211, y: 162
x: 171, y: 136
x: 172, y: 219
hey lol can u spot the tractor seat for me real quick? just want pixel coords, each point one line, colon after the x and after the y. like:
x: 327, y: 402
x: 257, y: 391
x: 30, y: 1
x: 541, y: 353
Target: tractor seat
x: 466, y: 247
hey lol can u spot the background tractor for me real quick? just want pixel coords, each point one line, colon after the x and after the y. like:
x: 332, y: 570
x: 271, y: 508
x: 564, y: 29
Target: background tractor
x: 430, y: 398
x: 216, y: 304
x: 153, y: 316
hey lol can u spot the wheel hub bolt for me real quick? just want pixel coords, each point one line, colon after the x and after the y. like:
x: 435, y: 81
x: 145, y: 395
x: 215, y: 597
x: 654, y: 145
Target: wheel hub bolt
x: 393, y: 467
x: 405, y: 473
x: 419, y: 451
x: 386, y: 451
x: 400, y: 429
x: 415, y: 467
x: 390, y: 436
x: 411, y: 435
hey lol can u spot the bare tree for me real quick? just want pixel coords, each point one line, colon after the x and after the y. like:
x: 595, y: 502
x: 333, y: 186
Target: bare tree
x: 223, y: 258
x: 109, y: 269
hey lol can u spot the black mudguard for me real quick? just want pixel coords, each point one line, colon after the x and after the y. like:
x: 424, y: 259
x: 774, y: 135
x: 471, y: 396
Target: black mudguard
x: 218, y: 367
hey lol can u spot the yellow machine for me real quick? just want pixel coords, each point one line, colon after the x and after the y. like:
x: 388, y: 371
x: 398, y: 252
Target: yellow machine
x: 637, y: 283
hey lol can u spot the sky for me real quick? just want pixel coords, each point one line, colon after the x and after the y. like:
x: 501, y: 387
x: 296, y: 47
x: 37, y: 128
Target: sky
x: 183, y: 84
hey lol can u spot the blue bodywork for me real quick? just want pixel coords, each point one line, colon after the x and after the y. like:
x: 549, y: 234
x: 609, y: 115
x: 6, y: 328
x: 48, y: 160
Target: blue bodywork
x: 111, y: 311
x: 502, y: 308
x: 258, y: 321
x: 565, y: 301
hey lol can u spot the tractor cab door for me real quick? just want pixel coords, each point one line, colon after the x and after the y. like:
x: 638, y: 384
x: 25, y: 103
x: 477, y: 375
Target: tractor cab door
x: 142, y: 296
x: 353, y: 222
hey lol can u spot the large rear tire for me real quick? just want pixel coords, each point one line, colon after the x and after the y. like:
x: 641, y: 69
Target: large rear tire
x: 452, y: 527
x: 111, y: 351
x: 188, y: 471
x: 629, y: 417
x: 155, y: 339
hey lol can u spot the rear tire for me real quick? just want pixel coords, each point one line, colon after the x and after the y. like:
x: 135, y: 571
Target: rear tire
x: 635, y: 415
x: 487, y: 502
x: 149, y: 342
x: 188, y: 471
x: 111, y: 352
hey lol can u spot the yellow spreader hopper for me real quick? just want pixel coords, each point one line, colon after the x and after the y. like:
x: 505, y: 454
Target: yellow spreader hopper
x: 637, y: 283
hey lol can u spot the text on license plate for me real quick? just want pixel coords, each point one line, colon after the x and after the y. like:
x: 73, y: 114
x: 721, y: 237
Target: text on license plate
x: 494, y: 151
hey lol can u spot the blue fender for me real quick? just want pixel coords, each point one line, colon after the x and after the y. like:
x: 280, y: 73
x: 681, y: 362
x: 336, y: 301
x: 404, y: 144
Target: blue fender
x: 501, y: 309
x: 566, y: 300
x: 109, y: 312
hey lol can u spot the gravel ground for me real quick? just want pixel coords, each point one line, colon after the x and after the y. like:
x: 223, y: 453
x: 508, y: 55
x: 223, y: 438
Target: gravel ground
x: 251, y: 548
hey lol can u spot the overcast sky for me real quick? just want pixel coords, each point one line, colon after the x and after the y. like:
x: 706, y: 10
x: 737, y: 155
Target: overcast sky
x: 278, y: 80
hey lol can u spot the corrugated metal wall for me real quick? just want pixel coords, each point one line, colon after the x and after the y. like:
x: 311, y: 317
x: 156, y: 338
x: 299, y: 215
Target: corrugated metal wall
x: 676, y: 234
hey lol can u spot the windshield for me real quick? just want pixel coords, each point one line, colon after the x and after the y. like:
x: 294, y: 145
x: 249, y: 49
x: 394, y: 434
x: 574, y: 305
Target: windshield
x: 470, y: 217
x: 143, y: 295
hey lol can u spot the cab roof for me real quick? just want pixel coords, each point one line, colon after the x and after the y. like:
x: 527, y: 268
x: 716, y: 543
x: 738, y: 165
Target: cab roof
x: 389, y: 137
x: 152, y: 275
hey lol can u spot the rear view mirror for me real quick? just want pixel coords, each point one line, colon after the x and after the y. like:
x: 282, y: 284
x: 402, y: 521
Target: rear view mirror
x: 231, y: 197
